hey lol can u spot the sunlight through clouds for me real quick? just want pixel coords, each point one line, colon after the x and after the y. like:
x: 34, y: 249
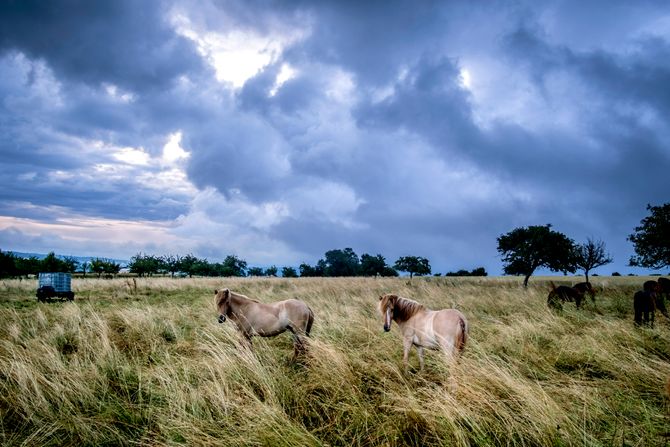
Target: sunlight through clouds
x: 238, y: 55
x: 172, y: 151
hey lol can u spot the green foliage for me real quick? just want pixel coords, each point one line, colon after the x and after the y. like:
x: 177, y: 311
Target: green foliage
x: 271, y: 271
x: 189, y: 264
x: 100, y: 266
x: 70, y: 264
x: 28, y: 266
x: 375, y: 266
x: 52, y: 264
x: 525, y: 249
x: 255, y: 271
x: 172, y: 263
x: 7, y: 265
x: 479, y: 271
x: 233, y: 266
x: 289, y: 272
x: 307, y: 270
x: 341, y: 263
x: 651, y: 239
x: 414, y: 265
x: 143, y: 265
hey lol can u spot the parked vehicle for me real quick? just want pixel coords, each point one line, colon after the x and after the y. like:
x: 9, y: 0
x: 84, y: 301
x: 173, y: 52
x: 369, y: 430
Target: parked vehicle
x: 54, y: 285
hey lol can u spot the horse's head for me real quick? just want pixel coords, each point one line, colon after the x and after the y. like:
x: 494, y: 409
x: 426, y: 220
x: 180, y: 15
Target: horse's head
x: 387, y: 303
x: 222, y: 303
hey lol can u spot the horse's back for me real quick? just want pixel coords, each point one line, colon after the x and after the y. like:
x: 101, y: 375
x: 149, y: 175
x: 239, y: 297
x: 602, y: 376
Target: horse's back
x: 452, y: 326
x: 297, y: 312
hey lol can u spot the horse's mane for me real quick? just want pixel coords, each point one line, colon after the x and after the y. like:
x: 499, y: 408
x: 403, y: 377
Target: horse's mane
x: 404, y: 309
x: 244, y: 297
x: 224, y: 294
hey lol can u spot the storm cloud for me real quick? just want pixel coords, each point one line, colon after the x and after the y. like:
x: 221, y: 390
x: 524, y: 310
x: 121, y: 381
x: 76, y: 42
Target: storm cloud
x: 279, y: 130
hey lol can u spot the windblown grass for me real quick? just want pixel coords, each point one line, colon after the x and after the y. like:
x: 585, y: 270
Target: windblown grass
x: 145, y: 363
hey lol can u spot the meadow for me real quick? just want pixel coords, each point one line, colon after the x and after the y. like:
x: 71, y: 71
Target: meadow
x: 144, y: 362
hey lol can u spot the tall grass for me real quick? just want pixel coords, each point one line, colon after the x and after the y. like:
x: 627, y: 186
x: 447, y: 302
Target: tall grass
x: 146, y: 363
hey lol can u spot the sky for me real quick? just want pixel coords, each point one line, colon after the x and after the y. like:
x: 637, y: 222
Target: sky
x: 278, y: 130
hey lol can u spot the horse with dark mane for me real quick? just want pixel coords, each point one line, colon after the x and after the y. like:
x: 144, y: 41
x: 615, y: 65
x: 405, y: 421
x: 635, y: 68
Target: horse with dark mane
x: 445, y: 329
x: 584, y: 288
x: 561, y: 294
x: 266, y: 320
x: 655, y: 288
x: 644, y: 305
x: 663, y: 294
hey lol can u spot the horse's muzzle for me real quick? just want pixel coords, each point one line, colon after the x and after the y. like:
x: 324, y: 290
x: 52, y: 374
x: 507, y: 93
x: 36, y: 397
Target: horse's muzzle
x: 387, y: 328
x: 222, y: 318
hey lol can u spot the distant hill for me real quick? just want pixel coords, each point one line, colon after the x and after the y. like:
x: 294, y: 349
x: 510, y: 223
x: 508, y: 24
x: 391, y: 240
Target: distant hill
x: 79, y: 259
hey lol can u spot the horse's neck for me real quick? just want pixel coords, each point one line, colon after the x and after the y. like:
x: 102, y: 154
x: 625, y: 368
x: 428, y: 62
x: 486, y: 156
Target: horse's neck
x: 239, y: 301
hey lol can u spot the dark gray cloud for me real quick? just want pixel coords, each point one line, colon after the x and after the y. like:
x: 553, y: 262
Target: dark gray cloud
x: 404, y: 128
x: 124, y: 42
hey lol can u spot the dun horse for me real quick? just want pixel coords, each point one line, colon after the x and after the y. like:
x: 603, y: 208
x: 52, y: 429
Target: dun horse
x: 266, y: 320
x: 445, y: 329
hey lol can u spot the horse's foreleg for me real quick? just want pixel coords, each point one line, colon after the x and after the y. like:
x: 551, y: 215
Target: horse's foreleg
x: 406, y: 346
x: 246, y: 341
x: 419, y: 350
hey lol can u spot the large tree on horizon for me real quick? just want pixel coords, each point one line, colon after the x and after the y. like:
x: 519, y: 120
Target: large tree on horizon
x: 341, y: 263
x: 651, y: 239
x: 414, y: 265
x: 525, y: 249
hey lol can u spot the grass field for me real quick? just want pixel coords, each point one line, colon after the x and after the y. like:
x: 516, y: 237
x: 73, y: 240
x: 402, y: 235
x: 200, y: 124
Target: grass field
x: 146, y: 363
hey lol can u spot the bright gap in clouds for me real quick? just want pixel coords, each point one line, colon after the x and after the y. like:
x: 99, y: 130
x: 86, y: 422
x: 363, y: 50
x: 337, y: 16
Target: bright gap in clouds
x: 172, y: 151
x: 238, y: 55
x: 286, y: 72
x: 465, y: 79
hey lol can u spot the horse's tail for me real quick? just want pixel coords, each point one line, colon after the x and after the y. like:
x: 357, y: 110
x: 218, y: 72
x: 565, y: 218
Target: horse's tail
x: 310, y: 321
x: 463, y: 336
x: 553, y: 286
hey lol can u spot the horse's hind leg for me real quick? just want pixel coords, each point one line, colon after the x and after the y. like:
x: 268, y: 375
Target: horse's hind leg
x: 299, y: 347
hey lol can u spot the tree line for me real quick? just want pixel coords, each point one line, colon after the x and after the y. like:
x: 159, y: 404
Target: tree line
x: 523, y: 250
x: 338, y: 262
x: 12, y: 266
x: 526, y: 249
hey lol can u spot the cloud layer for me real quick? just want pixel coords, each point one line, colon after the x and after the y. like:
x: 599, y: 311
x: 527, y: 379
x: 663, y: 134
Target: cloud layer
x: 279, y: 130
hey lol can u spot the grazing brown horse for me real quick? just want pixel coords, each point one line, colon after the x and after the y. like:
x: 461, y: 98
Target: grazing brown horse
x: 584, y: 288
x: 655, y: 288
x: 445, y: 329
x: 562, y: 294
x: 644, y: 304
x: 266, y: 320
x: 662, y: 294
x: 664, y: 286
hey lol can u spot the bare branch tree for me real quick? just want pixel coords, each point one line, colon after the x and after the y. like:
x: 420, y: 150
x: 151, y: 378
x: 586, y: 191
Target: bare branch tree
x: 591, y: 255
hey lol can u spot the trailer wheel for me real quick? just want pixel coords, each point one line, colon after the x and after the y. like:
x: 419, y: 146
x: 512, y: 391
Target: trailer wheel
x: 45, y: 293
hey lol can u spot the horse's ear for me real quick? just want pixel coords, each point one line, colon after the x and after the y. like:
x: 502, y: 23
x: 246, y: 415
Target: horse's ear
x: 381, y: 297
x: 216, y: 291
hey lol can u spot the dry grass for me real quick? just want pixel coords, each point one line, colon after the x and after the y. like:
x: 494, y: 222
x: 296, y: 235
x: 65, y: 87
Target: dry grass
x: 146, y: 363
